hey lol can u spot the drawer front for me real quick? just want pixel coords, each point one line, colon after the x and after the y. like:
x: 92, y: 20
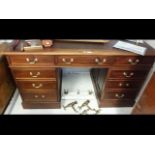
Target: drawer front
x: 127, y: 74
x: 133, y: 61
x: 120, y: 95
x: 84, y: 60
x: 32, y: 73
x: 117, y: 103
x: 40, y: 96
x: 37, y: 85
x: 124, y: 84
x: 41, y: 105
x: 31, y: 60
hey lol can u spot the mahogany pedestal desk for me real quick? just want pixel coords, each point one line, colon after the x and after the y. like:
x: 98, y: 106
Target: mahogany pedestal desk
x: 38, y: 73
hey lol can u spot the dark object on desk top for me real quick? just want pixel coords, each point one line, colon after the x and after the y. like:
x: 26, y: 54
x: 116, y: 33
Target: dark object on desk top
x: 32, y: 45
x: 25, y: 45
x: 15, y: 43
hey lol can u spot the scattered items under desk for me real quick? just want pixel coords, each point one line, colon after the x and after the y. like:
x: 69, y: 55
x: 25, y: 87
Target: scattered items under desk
x: 15, y: 108
x: 78, y: 92
x: 81, y: 107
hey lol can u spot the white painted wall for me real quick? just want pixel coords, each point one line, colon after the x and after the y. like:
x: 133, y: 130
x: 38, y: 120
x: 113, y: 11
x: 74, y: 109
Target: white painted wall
x: 8, y: 41
x: 151, y: 42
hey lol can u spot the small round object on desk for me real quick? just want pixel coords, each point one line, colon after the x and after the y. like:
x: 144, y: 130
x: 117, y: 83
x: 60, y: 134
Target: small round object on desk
x: 47, y: 43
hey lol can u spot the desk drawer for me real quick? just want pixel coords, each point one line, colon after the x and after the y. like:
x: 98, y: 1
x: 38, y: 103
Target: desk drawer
x: 44, y: 95
x: 34, y: 73
x: 37, y: 85
x: 31, y: 60
x: 128, y: 74
x: 84, y: 60
x: 117, y: 103
x: 135, y: 60
x: 41, y: 105
x: 119, y: 95
x: 124, y: 84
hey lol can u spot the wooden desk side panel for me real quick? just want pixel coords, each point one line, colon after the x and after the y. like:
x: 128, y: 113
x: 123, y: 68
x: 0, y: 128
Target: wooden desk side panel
x: 146, y: 105
x: 7, y: 86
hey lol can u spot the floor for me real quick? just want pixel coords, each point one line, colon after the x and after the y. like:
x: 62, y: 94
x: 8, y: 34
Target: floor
x: 80, y: 88
x: 15, y: 108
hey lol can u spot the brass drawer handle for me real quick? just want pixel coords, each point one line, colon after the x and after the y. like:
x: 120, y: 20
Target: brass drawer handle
x: 37, y: 87
x: 32, y: 62
x: 42, y: 96
x: 128, y: 75
x: 126, y: 84
x: 100, y: 62
x: 120, y: 84
x: 35, y: 76
x: 133, y: 62
x: 70, y: 61
x: 36, y: 96
x: 119, y: 96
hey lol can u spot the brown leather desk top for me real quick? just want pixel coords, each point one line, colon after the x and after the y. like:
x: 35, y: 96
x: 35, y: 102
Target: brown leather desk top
x: 72, y: 48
